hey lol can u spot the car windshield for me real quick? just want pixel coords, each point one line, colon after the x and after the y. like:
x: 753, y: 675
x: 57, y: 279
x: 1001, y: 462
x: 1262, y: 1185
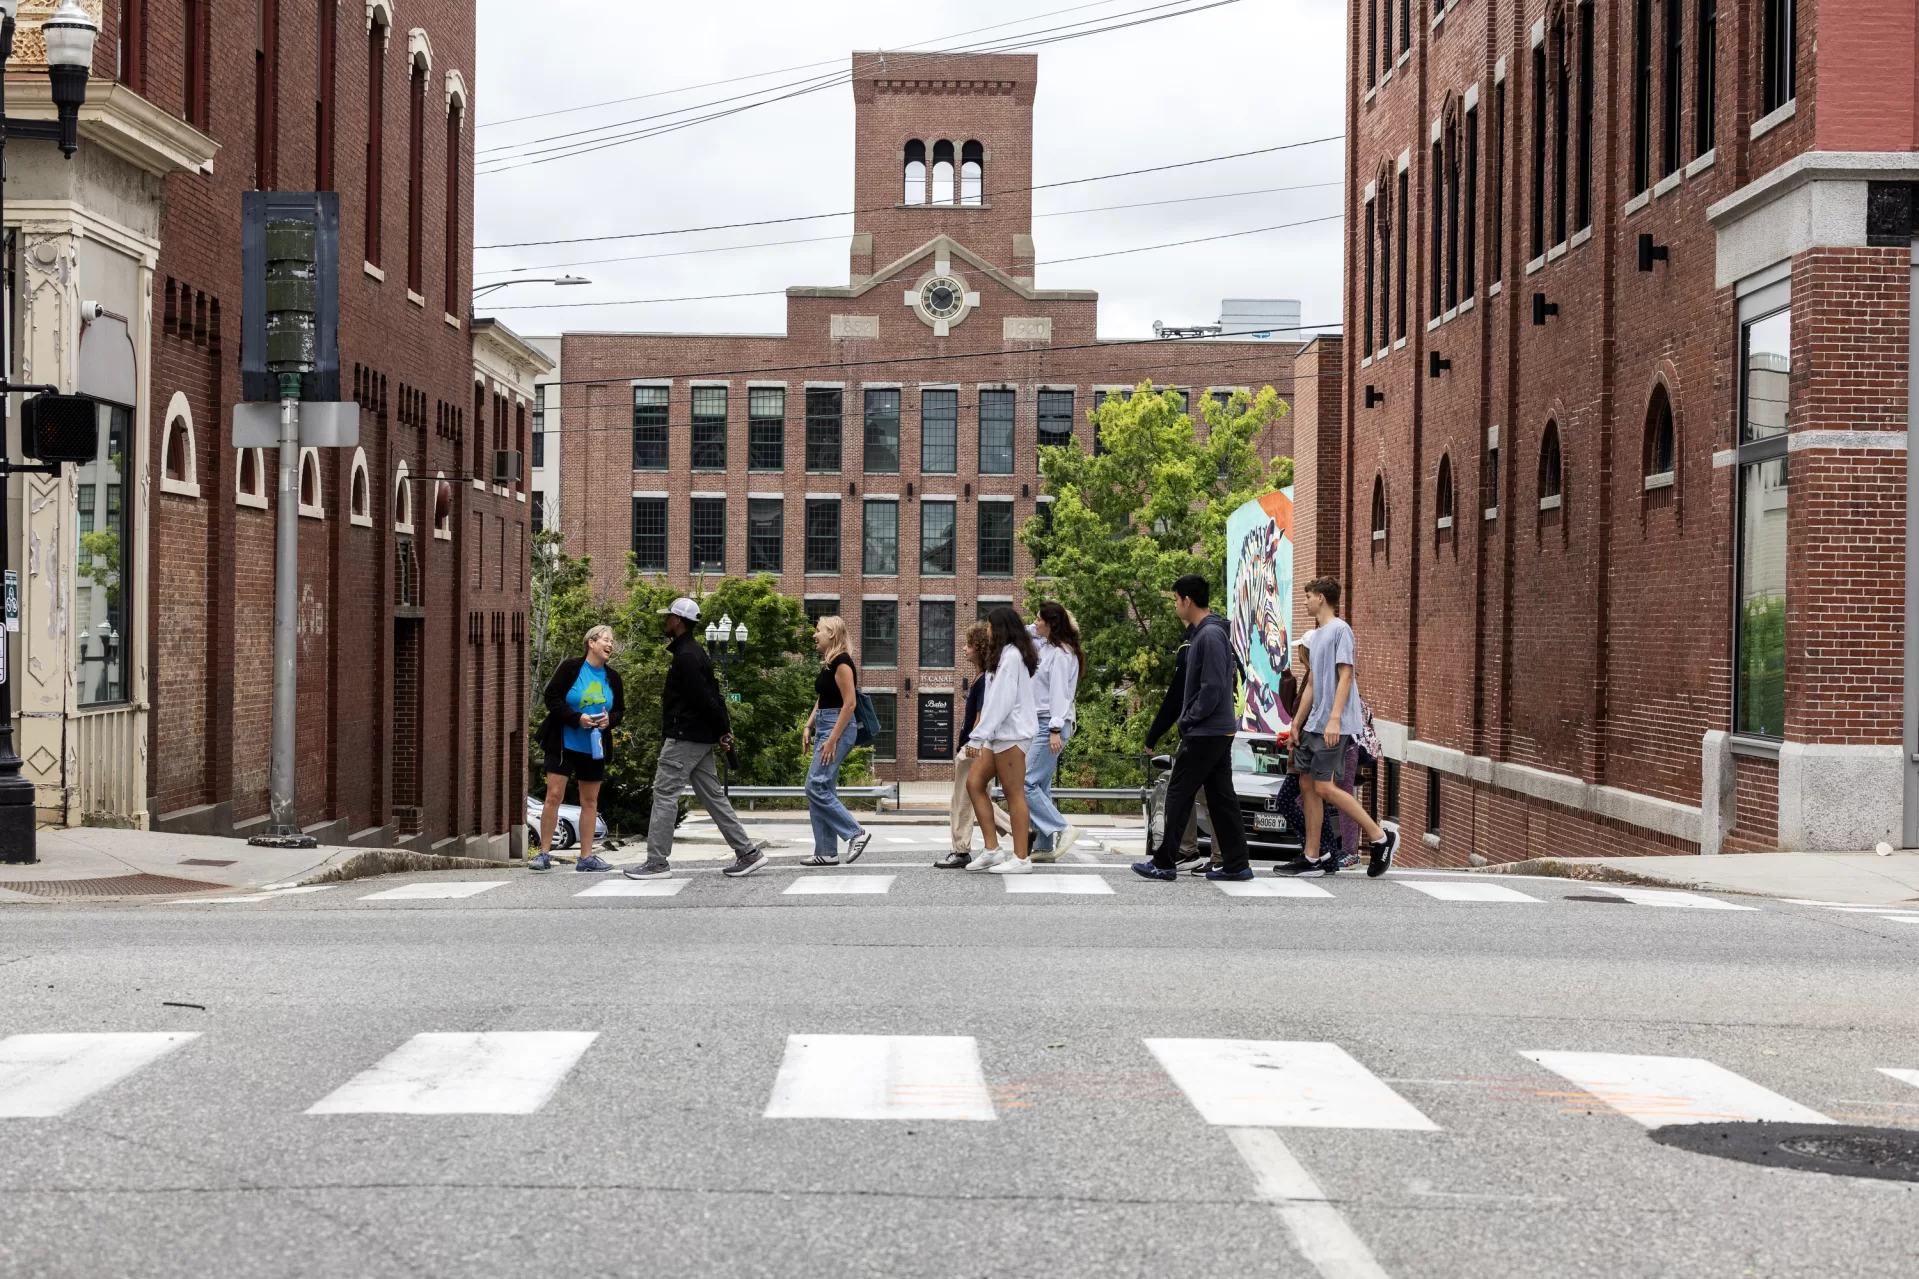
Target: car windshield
x: 1248, y: 760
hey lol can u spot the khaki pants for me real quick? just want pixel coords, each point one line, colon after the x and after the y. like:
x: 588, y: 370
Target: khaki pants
x: 1189, y: 842
x: 962, y: 819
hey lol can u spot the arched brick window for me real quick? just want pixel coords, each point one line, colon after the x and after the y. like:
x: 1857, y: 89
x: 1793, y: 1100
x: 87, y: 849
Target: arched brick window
x: 1661, y: 440
x: 1550, y: 476
x: 1379, y: 511
x: 1443, y: 502
x: 312, y: 495
x: 942, y: 172
x: 360, y: 493
x: 972, y: 173
x: 915, y: 176
x: 402, y: 501
x: 179, y: 472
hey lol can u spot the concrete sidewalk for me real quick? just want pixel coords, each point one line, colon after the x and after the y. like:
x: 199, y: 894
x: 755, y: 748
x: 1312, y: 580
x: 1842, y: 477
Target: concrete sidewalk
x: 1852, y: 879
x: 132, y: 859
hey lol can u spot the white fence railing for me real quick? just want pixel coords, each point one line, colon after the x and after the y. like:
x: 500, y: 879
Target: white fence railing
x: 108, y: 762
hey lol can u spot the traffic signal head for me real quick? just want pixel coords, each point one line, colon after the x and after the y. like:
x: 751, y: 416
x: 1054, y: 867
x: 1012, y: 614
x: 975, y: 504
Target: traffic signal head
x: 60, y: 428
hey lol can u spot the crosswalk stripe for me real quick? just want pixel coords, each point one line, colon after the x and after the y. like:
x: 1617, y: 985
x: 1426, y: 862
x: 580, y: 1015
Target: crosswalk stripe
x: 46, y: 1075
x: 1084, y: 885
x: 1907, y: 1076
x: 635, y: 888
x: 1668, y: 897
x: 420, y: 892
x: 1902, y: 919
x: 1248, y: 1083
x: 1657, y: 1091
x: 1450, y: 892
x: 880, y: 1077
x: 835, y: 885
x: 1270, y: 888
x: 1318, y: 1230
x: 503, y: 1072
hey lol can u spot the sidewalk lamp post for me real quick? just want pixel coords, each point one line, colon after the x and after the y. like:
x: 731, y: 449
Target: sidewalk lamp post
x: 54, y: 427
x: 727, y: 643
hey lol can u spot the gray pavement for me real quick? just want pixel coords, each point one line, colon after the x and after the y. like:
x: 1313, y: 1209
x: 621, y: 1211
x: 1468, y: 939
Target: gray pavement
x: 1060, y: 1141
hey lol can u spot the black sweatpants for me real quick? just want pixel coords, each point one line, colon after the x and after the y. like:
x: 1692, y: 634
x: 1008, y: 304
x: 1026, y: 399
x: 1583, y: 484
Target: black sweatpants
x: 1204, y: 763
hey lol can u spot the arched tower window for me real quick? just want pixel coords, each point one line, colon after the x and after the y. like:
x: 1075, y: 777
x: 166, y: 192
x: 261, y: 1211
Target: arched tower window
x: 1549, y: 469
x: 1379, y: 508
x: 942, y: 172
x: 972, y: 173
x: 1444, y: 500
x: 1661, y: 442
x: 915, y: 173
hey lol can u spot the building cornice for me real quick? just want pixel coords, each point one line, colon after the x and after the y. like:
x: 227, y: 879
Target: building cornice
x: 117, y: 118
x: 1814, y: 166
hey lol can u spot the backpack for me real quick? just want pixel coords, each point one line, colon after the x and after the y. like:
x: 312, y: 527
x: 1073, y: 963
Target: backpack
x: 867, y: 721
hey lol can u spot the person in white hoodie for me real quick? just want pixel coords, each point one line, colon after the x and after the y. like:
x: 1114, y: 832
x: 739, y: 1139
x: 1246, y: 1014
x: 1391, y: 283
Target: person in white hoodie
x: 1007, y: 723
x: 1055, y: 692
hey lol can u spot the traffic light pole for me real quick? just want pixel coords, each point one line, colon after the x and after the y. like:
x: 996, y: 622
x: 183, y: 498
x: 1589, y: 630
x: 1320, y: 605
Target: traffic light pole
x: 286, y: 605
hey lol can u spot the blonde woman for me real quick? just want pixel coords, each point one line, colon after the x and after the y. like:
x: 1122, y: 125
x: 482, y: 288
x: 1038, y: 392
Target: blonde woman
x: 830, y: 733
x: 585, y: 702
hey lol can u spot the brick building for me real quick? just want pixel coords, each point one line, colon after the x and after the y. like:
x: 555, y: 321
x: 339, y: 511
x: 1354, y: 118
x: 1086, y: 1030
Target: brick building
x: 881, y: 454
x: 1630, y: 302
x: 413, y: 583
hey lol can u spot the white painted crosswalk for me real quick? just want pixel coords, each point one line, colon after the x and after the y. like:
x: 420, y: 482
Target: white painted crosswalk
x: 1272, y: 888
x: 1080, y: 885
x: 624, y: 887
x: 839, y: 885
x: 1448, y: 891
x: 42, y: 1076
x: 880, y: 1077
x: 432, y: 889
x: 1657, y: 1091
x: 1905, y: 1076
x: 1670, y: 897
x: 1245, y: 1083
x: 485, y: 1073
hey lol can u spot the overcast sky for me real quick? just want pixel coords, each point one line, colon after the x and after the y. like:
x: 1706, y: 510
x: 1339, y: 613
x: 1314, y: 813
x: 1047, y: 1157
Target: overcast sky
x: 1245, y: 75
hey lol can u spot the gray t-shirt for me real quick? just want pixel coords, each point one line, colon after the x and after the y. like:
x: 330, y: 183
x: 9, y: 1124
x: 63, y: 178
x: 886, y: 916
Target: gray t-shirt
x: 1328, y: 647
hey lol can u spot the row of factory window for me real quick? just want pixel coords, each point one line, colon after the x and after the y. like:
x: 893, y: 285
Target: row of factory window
x: 878, y: 626
x: 879, y: 423
x: 995, y: 531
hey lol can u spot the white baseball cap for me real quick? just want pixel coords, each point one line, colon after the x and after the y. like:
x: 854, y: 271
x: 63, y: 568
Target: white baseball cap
x: 686, y: 608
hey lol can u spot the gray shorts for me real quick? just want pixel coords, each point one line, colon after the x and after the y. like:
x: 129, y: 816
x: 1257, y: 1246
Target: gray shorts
x: 1319, y: 761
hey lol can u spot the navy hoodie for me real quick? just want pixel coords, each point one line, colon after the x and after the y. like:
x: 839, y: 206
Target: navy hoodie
x: 1212, y: 683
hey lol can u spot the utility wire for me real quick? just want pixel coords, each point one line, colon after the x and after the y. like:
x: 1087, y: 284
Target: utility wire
x: 822, y: 239
x: 841, y: 213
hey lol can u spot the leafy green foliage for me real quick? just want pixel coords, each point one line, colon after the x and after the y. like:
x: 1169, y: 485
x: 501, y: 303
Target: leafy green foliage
x: 1127, y: 523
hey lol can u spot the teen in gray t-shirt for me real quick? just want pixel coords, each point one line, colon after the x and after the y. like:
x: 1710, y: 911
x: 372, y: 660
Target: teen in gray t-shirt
x: 1328, y: 647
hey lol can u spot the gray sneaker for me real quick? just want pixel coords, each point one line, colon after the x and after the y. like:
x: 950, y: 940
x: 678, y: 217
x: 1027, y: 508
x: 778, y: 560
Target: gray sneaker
x: 648, y: 871
x: 746, y: 863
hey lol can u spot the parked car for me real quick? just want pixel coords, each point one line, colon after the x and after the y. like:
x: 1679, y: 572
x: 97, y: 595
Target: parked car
x: 566, y: 832
x: 1259, y: 769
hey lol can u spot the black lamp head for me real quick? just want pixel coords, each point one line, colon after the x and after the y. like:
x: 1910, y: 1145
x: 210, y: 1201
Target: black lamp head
x: 1374, y: 395
x: 1435, y: 364
x: 1649, y: 252
x: 1542, y: 308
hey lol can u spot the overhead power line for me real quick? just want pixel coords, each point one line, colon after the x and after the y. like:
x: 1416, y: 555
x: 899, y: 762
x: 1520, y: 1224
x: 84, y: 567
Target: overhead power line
x: 841, y: 213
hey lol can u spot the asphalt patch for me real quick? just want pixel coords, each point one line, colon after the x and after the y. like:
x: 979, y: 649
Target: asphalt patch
x: 1884, y: 1154
x: 1595, y: 897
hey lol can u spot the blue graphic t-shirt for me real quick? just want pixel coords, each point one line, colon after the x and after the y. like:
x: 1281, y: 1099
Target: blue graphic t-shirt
x: 591, y: 694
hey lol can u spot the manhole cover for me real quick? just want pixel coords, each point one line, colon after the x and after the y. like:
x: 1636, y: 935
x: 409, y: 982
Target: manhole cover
x: 111, y: 886
x: 204, y: 861
x: 1594, y: 897
x: 1888, y: 1154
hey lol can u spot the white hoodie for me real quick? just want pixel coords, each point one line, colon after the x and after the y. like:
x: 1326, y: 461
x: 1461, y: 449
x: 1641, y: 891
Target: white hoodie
x: 1056, y: 685
x: 1009, y: 714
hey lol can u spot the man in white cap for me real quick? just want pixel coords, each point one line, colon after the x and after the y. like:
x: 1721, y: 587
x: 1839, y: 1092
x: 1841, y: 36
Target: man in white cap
x: 696, y: 723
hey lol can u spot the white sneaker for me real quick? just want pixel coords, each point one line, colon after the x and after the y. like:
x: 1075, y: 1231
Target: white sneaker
x: 988, y: 859
x: 1063, y: 842
x: 1012, y: 866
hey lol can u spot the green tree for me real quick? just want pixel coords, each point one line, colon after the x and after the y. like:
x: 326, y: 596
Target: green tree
x: 1127, y: 521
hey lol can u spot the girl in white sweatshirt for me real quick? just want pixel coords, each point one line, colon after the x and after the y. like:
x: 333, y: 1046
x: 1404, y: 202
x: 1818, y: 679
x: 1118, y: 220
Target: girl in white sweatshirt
x: 1007, y: 723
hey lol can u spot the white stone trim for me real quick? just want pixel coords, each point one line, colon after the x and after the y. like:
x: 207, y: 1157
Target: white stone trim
x: 373, y: 272
x: 659, y: 493
x: 456, y: 91
x: 258, y: 497
x: 402, y: 499
x: 1552, y: 503
x: 317, y: 509
x: 1702, y: 163
x: 1371, y: 191
x: 1471, y: 99
x: 1581, y: 236
x: 383, y: 9
x: 419, y: 46
x: 1499, y: 70
x: 1405, y: 161
x: 1669, y: 183
x: 1874, y: 441
x: 178, y: 410
x: 939, y: 497
x: 1662, y: 480
x: 359, y: 473
x: 1817, y: 199
x: 1638, y: 202
x: 1773, y: 119
x: 1538, y: 33
x: 1724, y: 457
x: 1839, y: 798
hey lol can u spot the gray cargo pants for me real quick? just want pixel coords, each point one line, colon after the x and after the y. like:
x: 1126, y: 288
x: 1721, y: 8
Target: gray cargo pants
x: 683, y: 763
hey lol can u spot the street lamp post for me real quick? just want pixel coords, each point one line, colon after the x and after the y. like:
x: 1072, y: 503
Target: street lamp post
x: 564, y: 281
x: 727, y: 643
x: 69, y: 34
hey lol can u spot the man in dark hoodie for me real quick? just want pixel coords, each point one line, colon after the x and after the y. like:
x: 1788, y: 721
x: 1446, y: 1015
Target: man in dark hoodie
x: 696, y: 724
x: 1170, y: 705
x: 1207, y: 724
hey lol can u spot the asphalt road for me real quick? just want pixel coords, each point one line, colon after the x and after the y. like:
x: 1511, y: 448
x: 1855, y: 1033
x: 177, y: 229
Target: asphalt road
x: 944, y: 1078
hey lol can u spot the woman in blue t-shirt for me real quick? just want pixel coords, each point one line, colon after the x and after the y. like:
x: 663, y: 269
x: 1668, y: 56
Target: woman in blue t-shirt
x: 585, y: 702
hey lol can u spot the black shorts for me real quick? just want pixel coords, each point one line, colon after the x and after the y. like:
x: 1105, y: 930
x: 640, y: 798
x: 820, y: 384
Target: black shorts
x: 576, y: 764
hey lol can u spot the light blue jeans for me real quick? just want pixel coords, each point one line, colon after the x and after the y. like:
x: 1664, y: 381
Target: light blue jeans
x: 1041, y: 764
x: 831, y: 822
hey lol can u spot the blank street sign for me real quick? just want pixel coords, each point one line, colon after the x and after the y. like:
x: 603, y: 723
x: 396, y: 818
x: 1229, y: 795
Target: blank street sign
x: 880, y: 1077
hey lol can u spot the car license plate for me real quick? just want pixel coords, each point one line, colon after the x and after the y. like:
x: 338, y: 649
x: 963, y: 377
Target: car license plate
x: 1268, y: 821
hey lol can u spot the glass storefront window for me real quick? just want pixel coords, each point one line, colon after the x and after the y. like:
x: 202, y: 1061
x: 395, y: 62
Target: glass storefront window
x: 1759, y: 660
x: 104, y: 567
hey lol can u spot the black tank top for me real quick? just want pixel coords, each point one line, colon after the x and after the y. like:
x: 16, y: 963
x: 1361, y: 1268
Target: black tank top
x: 826, y: 686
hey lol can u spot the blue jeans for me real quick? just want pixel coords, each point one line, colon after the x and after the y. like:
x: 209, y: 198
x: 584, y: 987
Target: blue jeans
x: 1041, y: 763
x: 831, y: 822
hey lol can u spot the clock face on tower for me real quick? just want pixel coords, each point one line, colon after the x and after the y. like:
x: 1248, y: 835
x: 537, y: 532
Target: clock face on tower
x: 942, y: 299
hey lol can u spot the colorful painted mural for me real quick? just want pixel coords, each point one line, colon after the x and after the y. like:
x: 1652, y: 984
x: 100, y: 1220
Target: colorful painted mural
x: 1259, y: 576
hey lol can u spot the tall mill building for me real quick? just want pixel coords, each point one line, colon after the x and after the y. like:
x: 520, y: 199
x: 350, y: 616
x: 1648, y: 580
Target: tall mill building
x: 1629, y: 503
x: 879, y: 456
x: 143, y: 662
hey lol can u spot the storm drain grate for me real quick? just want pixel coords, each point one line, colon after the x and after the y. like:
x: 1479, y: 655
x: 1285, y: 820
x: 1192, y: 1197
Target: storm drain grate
x: 1888, y: 1154
x: 111, y: 886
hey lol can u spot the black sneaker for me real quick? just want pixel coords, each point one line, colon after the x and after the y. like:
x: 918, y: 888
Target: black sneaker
x: 1380, y: 855
x: 953, y: 861
x: 1297, y: 866
x: 746, y: 863
x: 1324, y: 868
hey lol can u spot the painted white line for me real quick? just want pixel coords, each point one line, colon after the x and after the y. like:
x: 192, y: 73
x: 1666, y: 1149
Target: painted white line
x: 421, y: 892
x: 1247, y: 1083
x: 1270, y: 888
x: 635, y: 888
x: 46, y: 1075
x: 1902, y: 919
x: 504, y: 1072
x: 1657, y: 1091
x: 1450, y: 892
x: 1084, y: 885
x: 1904, y: 1076
x: 1319, y: 1231
x: 901, y: 839
x: 834, y: 885
x: 1872, y: 910
x: 1667, y: 897
x: 880, y: 1077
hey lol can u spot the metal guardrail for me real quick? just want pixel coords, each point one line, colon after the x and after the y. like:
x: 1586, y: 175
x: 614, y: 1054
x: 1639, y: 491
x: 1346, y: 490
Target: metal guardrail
x: 880, y: 794
x: 1097, y: 794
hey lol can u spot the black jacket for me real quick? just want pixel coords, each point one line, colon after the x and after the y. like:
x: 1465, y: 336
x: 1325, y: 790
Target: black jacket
x: 1212, y: 679
x: 691, y: 706
x: 975, y: 701
x: 1175, y: 699
x: 560, y: 716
